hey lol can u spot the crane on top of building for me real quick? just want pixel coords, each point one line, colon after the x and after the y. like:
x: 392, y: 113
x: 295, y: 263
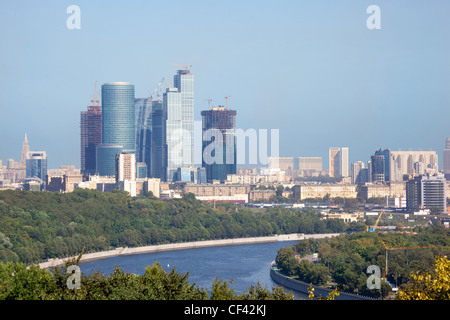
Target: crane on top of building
x: 94, y: 100
x: 209, y: 102
x: 226, y: 101
x: 187, y: 66
x: 400, y: 248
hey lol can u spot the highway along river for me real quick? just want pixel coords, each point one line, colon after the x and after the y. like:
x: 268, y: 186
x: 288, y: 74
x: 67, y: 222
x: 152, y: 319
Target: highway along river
x: 246, y: 264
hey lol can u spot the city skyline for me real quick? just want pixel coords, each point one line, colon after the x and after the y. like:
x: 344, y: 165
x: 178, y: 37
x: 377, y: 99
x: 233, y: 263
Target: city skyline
x: 376, y: 82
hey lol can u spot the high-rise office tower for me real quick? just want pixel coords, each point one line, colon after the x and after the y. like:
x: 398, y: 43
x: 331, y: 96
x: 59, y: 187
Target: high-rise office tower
x: 158, y: 162
x: 143, y: 110
x: 338, y: 162
x: 118, y: 125
x: 427, y: 192
x: 91, y: 137
x: 334, y: 162
x: 447, y: 158
x: 344, y: 162
x: 219, y: 157
x: 356, y: 172
x: 36, y: 163
x: 178, y: 107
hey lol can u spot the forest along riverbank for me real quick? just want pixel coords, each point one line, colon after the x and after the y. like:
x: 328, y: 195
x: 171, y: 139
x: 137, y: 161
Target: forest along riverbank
x: 185, y: 245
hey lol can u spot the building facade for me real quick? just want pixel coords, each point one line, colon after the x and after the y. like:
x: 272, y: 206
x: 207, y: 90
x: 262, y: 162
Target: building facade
x: 158, y: 162
x: 319, y: 191
x: 447, y: 159
x: 219, y: 154
x: 427, y: 192
x: 178, y: 107
x: 143, y: 120
x: 91, y: 137
x: 36, y: 165
x: 118, y: 124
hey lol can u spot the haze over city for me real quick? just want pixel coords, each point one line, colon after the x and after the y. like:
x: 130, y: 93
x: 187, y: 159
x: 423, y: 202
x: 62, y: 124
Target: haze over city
x: 313, y: 70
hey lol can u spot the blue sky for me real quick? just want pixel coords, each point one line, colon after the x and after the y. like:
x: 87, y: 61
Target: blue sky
x: 311, y: 69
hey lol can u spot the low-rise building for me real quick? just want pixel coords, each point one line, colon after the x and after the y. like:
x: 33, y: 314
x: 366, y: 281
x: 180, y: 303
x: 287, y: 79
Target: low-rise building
x: 347, y: 217
x: 261, y: 195
x: 321, y: 190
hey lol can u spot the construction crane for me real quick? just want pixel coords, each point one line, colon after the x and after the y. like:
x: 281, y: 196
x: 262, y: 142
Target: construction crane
x: 401, y: 248
x: 187, y: 66
x: 94, y: 101
x: 226, y: 101
x: 209, y: 102
x: 374, y: 227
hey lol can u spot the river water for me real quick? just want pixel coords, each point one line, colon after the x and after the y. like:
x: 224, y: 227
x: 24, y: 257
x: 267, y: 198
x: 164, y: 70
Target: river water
x: 245, y: 264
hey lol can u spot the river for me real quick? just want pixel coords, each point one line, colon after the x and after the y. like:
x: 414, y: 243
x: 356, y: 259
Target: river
x: 245, y: 264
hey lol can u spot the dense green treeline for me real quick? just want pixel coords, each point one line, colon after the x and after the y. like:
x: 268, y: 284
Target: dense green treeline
x: 40, y: 225
x: 17, y: 282
x: 344, y: 259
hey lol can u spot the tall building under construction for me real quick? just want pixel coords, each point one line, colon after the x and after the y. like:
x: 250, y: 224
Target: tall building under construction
x: 91, y: 135
x: 219, y: 160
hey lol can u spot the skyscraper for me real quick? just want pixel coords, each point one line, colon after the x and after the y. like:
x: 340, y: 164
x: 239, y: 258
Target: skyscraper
x: 178, y: 107
x: 118, y: 125
x: 143, y: 111
x: 344, y: 162
x: 334, y: 162
x: 338, y: 162
x: 158, y: 162
x: 91, y: 137
x: 357, y: 172
x: 447, y: 158
x: 220, y: 156
x: 21, y: 170
x: 36, y: 162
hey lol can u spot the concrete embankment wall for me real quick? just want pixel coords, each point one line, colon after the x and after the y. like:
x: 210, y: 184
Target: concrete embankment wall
x: 186, y: 245
x: 300, y: 286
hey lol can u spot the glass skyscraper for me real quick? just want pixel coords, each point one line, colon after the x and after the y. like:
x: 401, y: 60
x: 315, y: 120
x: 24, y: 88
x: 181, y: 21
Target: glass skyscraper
x: 118, y: 124
x: 36, y: 162
x: 143, y: 109
x: 158, y: 162
x: 178, y: 108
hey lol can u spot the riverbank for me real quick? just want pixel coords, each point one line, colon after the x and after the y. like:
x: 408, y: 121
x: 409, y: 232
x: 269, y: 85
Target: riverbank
x: 185, y: 245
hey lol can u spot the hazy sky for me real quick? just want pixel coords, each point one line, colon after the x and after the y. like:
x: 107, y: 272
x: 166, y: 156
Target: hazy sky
x: 311, y: 69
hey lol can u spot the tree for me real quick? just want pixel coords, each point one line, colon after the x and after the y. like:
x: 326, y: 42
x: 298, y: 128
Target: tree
x: 429, y: 285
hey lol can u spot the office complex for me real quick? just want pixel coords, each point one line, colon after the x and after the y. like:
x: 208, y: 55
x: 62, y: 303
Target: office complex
x: 338, y: 162
x: 118, y: 125
x: 91, y: 137
x: 36, y: 165
x: 391, y: 166
x: 178, y: 108
x: 219, y: 143
x: 427, y: 192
